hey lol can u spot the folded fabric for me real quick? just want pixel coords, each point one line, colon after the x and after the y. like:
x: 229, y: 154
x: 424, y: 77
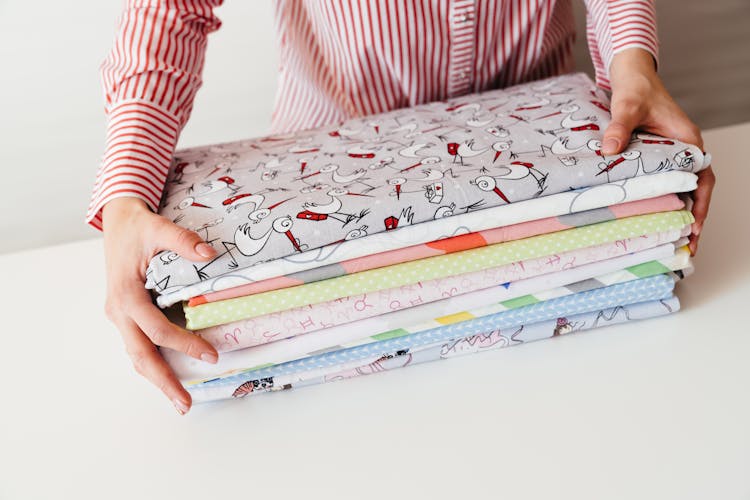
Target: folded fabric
x: 314, y: 317
x: 570, y: 202
x: 433, y: 268
x: 488, y: 341
x: 265, y: 199
x: 476, y: 343
x: 450, y: 310
x: 641, y: 290
x: 482, y: 340
x: 449, y: 245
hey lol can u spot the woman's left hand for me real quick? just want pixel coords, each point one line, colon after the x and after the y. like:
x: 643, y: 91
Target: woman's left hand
x: 640, y: 101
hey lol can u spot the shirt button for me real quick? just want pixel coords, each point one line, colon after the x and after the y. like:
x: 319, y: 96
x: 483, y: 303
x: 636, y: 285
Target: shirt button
x: 461, y: 18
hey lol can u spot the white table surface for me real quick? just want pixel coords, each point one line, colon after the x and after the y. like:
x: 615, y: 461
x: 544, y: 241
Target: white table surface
x: 659, y: 409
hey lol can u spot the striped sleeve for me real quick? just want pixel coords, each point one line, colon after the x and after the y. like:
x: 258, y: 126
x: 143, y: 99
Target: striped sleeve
x: 615, y: 25
x: 150, y: 77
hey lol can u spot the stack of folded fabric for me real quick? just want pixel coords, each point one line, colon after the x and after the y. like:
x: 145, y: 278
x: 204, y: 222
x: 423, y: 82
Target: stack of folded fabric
x: 421, y: 234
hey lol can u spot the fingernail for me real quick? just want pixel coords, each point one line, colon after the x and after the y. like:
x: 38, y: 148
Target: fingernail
x: 209, y: 357
x: 205, y: 250
x: 181, y: 407
x: 610, y: 145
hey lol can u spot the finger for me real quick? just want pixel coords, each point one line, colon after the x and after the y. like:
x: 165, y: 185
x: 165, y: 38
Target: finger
x: 693, y: 244
x: 702, y: 198
x: 188, y: 244
x: 149, y: 363
x: 162, y: 332
x: 626, y: 115
x: 683, y: 129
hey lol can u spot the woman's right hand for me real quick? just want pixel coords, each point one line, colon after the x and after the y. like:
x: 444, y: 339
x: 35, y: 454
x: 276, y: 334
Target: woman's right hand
x: 133, y: 234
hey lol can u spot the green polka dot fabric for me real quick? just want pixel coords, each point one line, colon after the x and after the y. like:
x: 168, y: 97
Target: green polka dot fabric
x: 409, y: 273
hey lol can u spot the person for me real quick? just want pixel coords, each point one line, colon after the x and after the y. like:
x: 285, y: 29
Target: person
x: 338, y: 59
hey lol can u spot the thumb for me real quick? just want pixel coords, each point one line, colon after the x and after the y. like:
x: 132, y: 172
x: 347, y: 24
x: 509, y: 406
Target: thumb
x: 188, y: 244
x: 625, y: 118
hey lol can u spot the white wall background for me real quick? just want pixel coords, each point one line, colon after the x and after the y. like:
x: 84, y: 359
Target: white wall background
x: 52, y: 123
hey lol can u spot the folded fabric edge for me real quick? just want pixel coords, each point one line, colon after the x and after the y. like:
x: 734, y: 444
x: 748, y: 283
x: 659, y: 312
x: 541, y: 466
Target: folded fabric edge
x: 479, y: 342
x: 657, y: 185
x: 203, y: 316
x: 671, y: 266
x: 448, y: 244
x: 645, y: 289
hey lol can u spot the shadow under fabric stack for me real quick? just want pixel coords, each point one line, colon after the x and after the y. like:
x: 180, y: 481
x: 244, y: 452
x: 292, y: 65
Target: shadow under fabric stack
x: 455, y: 227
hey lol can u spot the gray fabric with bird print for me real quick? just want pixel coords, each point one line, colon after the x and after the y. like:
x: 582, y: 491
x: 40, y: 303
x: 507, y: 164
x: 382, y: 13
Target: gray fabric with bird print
x: 269, y: 198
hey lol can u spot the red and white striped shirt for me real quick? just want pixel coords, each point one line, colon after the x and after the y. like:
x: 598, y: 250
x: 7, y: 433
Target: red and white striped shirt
x: 339, y: 59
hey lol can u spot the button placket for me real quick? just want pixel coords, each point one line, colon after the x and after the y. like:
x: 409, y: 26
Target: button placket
x: 462, y: 47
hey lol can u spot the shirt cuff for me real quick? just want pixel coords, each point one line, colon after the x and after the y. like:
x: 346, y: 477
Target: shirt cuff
x: 141, y: 139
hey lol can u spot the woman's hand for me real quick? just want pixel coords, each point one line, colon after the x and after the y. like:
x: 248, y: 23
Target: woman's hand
x: 640, y: 101
x: 132, y: 236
